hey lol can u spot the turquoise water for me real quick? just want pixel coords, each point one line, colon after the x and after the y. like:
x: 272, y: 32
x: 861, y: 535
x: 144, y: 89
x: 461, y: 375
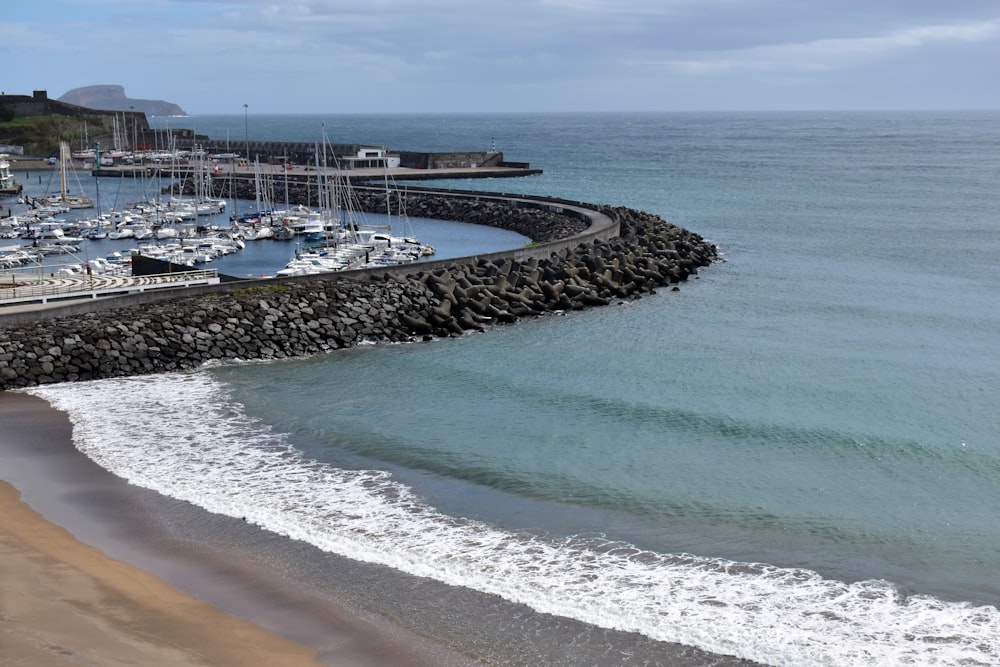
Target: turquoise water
x: 799, y: 448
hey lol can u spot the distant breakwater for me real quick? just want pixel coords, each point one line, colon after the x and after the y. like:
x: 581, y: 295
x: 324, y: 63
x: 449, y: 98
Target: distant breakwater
x: 535, y: 222
x: 306, y: 315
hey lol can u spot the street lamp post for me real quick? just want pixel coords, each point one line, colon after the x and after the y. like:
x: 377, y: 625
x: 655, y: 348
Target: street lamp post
x: 246, y: 133
x: 134, y: 133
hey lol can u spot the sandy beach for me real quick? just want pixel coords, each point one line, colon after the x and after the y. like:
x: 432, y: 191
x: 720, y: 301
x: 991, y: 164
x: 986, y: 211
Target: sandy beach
x: 65, y: 602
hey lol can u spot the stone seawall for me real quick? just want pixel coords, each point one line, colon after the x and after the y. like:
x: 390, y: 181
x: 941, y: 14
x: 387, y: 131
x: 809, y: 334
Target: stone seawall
x: 278, y: 319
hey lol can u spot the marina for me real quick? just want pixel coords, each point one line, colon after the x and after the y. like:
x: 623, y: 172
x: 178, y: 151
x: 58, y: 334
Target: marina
x: 189, y: 207
x: 50, y: 253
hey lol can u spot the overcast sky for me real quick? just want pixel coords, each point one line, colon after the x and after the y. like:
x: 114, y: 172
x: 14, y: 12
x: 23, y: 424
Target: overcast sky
x: 386, y: 56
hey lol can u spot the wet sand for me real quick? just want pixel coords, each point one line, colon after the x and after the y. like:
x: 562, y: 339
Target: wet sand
x: 64, y: 602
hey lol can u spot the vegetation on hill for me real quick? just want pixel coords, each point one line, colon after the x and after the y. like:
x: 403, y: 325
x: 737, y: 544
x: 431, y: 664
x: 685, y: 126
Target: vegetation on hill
x: 40, y: 135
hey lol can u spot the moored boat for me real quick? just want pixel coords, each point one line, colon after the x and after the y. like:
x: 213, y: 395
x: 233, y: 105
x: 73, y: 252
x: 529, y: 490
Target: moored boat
x: 8, y: 186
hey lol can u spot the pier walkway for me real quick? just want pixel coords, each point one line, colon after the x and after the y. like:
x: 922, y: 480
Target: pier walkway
x: 24, y: 291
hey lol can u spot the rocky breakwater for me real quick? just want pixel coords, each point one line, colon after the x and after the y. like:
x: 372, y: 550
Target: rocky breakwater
x: 539, y: 223
x: 649, y: 253
x: 310, y: 315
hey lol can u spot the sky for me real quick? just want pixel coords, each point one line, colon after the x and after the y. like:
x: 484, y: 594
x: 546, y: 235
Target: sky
x: 433, y: 56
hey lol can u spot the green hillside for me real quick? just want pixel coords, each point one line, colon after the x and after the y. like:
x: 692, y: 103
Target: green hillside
x: 40, y: 135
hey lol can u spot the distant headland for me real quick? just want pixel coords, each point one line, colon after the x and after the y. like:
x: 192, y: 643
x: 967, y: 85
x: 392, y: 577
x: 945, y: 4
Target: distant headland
x: 111, y: 97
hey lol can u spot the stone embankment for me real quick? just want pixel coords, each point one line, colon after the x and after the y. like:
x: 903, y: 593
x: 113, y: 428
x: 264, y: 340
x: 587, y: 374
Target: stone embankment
x: 279, y: 319
x: 541, y: 224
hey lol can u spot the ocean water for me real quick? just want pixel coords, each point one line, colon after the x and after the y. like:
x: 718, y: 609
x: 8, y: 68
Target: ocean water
x: 794, y: 460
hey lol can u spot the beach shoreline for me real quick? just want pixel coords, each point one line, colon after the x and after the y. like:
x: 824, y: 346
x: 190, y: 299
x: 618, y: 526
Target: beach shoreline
x: 305, y: 605
x: 66, y: 601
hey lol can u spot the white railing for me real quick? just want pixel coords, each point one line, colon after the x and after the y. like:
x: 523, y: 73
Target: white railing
x: 21, y: 288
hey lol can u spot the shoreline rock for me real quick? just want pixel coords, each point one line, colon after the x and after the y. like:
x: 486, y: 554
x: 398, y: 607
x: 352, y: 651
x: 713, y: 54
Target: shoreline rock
x: 293, y: 319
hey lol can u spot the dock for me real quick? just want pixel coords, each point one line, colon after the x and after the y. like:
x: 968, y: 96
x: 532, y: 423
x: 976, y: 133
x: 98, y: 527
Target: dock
x: 304, y: 173
x: 299, y: 161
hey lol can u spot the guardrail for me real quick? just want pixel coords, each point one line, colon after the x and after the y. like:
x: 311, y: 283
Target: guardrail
x: 22, y: 289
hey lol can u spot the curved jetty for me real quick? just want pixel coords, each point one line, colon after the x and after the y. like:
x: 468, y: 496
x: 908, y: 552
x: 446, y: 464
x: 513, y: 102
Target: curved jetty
x: 582, y: 256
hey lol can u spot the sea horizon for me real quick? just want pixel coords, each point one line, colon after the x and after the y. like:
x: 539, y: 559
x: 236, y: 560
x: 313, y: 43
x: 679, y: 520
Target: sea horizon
x: 596, y: 112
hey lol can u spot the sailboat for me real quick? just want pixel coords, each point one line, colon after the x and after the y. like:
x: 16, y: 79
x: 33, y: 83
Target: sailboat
x: 349, y: 244
x: 407, y: 244
x: 64, y: 198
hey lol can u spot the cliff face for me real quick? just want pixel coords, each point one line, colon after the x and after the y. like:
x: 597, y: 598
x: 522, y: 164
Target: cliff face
x: 113, y: 98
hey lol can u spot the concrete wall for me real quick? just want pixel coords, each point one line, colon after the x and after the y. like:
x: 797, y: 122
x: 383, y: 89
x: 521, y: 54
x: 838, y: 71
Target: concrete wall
x: 452, y: 160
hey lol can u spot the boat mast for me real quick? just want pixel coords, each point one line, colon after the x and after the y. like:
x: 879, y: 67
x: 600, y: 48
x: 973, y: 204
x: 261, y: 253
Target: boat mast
x: 97, y: 179
x: 63, y: 159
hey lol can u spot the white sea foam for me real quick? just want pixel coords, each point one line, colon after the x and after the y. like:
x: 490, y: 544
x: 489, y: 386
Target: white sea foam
x: 181, y: 436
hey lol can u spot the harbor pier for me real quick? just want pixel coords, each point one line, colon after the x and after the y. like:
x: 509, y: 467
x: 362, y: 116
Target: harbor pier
x: 300, y: 161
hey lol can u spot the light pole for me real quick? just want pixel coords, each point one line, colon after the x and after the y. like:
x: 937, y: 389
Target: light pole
x: 134, y: 133
x: 246, y: 133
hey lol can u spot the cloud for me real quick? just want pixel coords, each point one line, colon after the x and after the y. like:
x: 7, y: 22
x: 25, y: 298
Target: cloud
x: 830, y: 53
x: 518, y: 54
